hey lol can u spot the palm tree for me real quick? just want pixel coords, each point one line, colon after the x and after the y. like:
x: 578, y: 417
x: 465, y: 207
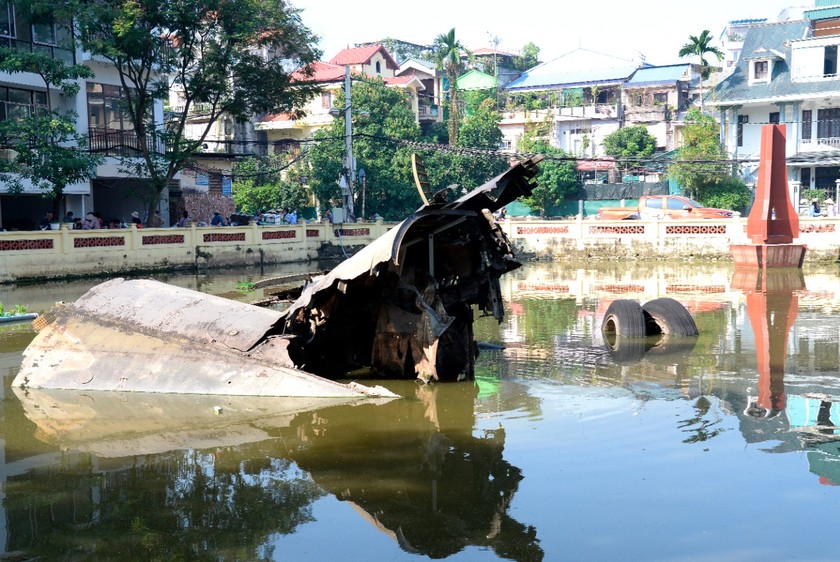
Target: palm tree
x: 448, y: 52
x: 700, y: 46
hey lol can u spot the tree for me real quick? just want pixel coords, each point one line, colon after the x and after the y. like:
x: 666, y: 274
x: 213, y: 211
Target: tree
x: 449, y: 53
x: 700, y: 161
x: 233, y: 58
x: 700, y: 47
x: 727, y: 193
x: 45, y: 146
x: 528, y: 59
x: 381, y: 116
x: 260, y: 184
x: 557, y: 178
x: 630, y: 142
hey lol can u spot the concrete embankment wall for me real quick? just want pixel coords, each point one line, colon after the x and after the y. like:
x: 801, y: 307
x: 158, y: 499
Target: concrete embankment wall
x: 70, y: 253
x: 581, y: 240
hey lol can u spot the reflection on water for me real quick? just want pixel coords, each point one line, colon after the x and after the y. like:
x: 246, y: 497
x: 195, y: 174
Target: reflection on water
x: 564, y: 448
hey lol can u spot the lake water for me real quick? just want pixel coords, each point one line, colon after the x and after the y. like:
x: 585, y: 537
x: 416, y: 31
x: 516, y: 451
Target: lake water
x: 720, y: 447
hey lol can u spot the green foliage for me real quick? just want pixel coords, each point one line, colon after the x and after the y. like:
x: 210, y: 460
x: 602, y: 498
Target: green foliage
x: 260, y: 184
x: 448, y: 54
x: 245, y: 286
x: 481, y: 128
x: 700, y: 46
x: 381, y: 113
x: 630, y: 142
x: 438, y: 133
x: 556, y: 179
x: 528, y: 59
x: 46, y: 150
x: 474, y: 98
x: 698, y: 162
x: 811, y: 194
x: 15, y: 310
x: 234, y: 58
x: 727, y: 193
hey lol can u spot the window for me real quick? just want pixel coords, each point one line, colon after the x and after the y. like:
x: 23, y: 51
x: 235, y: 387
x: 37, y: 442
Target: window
x: 830, y: 61
x: 774, y: 117
x: 653, y: 203
x: 741, y: 120
x: 761, y: 70
x: 378, y: 67
x: 16, y: 103
x: 7, y: 20
x: 828, y: 123
x: 806, y: 124
x: 660, y: 99
x: 44, y: 33
x: 326, y: 100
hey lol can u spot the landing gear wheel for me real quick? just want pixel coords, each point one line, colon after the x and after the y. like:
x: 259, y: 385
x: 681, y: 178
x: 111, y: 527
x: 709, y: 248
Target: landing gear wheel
x: 624, y: 319
x: 668, y: 316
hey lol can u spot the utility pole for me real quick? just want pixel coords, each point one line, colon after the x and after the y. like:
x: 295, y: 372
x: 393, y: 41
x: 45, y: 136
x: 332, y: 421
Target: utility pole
x: 348, y: 133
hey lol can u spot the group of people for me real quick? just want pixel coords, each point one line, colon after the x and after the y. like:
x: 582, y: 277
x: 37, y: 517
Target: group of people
x: 94, y: 221
x: 276, y: 217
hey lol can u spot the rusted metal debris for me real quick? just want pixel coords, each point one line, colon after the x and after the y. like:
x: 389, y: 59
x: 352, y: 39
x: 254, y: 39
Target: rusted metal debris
x: 402, y: 307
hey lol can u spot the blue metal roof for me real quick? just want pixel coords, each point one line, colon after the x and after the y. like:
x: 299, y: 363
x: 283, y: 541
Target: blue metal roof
x: 665, y: 75
x: 576, y: 68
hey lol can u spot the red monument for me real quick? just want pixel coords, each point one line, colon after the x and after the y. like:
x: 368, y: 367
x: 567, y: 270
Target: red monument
x: 773, y: 223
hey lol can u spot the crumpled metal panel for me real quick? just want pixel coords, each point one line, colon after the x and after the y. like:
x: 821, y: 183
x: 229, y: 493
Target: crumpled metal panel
x: 144, y: 304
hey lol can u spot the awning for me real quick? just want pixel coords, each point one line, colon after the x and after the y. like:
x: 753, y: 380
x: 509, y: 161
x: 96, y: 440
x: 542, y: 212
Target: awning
x: 595, y: 165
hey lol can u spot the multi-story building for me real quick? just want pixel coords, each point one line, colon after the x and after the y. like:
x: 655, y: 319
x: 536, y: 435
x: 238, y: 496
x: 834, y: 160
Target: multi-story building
x: 112, y: 191
x: 788, y: 73
x: 284, y: 131
x: 583, y: 96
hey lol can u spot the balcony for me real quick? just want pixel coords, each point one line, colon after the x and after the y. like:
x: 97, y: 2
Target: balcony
x: 112, y: 142
x: 64, y: 55
x: 428, y: 112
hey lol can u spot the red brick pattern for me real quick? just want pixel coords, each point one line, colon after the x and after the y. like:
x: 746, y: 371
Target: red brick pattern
x: 544, y: 286
x: 166, y: 239
x: 808, y: 228
x: 691, y: 288
x: 99, y: 242
x: 525, y: 230
x: 312, y: 233
x: 11, y: 245
x: 279, y: 234
x: 611, y: 288
x: 352, y: 232
x: 224, y: 237
x: 699, y: 230
x: 638, y: 229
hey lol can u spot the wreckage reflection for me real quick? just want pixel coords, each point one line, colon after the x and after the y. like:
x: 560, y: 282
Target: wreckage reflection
x: 413, y: 467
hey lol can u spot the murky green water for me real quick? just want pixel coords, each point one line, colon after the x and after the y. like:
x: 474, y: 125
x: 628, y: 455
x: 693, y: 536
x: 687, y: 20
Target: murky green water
x: 718, y: 447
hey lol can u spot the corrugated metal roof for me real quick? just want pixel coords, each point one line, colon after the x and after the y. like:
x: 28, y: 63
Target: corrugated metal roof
x: 578, y: 67
x: 822, y: 13
x: 659, y: 75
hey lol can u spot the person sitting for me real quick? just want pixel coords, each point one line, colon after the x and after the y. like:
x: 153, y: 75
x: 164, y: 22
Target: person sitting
x: 90, y: 222
x: 156, y: 221
x: 46, y: 222
x: 77, y: 224
x: 291, y: 217
x: 217, y: 220
x: 184, y: 221
x: 815, y: 208
x: 135, y: 219
x: 68, y: 218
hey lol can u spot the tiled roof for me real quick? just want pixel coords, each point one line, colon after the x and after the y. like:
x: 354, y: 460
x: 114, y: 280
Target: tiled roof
x: 770, y: 39
x: 576, y: 68
x: 321, y: 72
x: 404, y: 80
x: 666, y: 75
x: 362, y: 55
x: 485, y: 52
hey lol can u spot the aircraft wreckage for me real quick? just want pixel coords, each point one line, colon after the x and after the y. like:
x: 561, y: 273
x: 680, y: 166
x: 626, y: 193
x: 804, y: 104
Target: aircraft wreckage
x: 403, y: 306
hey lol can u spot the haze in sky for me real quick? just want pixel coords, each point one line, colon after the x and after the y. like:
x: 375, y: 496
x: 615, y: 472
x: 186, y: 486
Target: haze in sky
x: 654, y: 28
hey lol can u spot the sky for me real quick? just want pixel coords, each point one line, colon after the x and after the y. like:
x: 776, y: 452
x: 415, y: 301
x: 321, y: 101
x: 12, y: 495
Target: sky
x: 655, y: 28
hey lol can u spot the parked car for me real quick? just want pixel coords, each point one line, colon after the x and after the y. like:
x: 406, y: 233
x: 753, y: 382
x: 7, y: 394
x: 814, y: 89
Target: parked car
x: 664, y: 206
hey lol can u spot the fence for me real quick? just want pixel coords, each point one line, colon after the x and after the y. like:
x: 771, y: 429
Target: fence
x: 51, y: 254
